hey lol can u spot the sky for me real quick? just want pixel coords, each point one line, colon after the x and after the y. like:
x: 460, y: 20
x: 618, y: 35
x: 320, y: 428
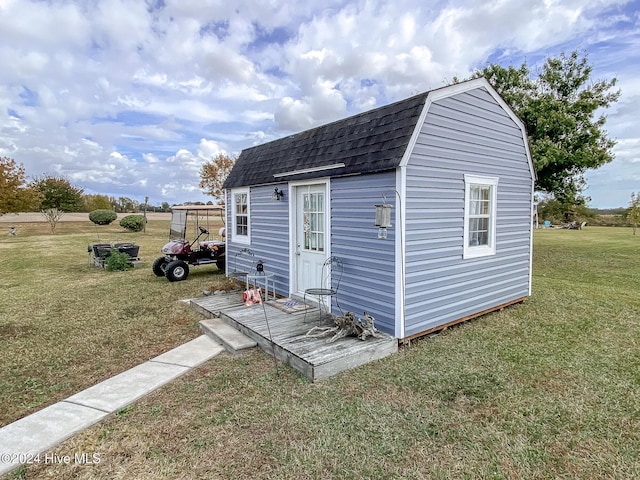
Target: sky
x: 128, y: 98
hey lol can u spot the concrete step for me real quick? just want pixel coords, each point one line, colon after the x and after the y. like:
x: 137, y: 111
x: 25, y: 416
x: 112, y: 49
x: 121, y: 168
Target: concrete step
x: 233, y: 340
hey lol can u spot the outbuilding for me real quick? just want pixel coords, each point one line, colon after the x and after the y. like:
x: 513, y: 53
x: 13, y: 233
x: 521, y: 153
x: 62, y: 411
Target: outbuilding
x: 453, y: 169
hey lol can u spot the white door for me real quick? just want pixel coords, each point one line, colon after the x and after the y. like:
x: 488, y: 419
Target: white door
x: 310, y: 236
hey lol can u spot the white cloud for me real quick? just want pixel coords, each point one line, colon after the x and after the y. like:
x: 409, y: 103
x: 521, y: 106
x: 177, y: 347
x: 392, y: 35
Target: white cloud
x: 208, y: 149
x: 120, y: 95
x: 324, y: 104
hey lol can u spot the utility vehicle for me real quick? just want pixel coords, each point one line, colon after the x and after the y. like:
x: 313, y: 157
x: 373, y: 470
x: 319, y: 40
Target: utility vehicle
x: 179, y: 253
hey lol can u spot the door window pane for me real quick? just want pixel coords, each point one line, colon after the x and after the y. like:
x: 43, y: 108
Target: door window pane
x: 313, y: 218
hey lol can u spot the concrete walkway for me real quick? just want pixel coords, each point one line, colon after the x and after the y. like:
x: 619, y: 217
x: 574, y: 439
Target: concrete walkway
x: 38, y: 433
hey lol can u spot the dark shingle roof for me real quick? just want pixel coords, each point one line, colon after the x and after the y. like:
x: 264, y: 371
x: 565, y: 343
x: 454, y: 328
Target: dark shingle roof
x: 368, y: 142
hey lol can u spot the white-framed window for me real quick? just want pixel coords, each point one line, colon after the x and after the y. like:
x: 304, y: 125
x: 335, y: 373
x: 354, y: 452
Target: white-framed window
x: 240, y: 216
x: 480, y: 194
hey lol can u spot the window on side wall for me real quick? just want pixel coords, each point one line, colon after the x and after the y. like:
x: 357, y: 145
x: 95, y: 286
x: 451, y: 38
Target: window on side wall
x: 241, y: 227
x: 480, y: 195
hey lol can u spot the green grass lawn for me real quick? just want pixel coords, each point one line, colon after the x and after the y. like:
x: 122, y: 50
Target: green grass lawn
x: 546, y: 389
x: 66, y: 324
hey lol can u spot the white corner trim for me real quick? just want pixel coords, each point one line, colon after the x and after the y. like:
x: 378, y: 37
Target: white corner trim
x: 433, y: 96
x: 416, y: 133
x: 400, y: 255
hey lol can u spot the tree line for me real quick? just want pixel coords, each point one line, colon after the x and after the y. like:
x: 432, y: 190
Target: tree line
x: 56, y: 192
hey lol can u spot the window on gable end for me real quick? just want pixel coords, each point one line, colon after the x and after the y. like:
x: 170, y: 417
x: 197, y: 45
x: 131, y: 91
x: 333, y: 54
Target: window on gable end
x: 480, y: 201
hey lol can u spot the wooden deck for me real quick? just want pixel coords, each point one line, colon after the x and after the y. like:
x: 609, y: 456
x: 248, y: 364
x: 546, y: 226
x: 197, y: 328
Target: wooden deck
x: 283, y: 333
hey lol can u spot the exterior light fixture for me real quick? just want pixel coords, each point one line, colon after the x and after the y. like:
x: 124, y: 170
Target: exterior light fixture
x: 383, y: 219
x: 277, y: 194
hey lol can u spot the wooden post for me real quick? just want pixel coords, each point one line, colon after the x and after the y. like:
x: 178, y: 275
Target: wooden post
x: 144, y: 221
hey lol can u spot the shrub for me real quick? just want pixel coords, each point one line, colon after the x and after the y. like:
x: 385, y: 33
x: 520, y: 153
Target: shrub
x: 133, y: 223
x: 102, y: 217
x: 609, y: 221
x: 117, y: 261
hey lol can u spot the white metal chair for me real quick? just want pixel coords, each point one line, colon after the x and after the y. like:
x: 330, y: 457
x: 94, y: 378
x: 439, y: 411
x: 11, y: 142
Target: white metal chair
x: 330, y: 278
x: 248, y: 265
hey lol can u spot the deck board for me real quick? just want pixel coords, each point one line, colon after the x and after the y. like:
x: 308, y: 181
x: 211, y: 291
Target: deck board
x: 212, y: 305
x: 283, y: 333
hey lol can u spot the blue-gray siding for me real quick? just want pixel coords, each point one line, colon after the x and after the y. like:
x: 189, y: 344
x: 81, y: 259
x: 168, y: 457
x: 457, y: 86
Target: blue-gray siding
x: 368, y: 283
x: 467, y: 133
x: 269, y: 224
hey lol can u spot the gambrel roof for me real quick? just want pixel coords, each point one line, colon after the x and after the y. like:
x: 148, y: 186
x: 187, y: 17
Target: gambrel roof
x: 372, y: 141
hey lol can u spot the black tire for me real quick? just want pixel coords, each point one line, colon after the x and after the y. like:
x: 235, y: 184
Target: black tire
x: 159, y: 266
x: 221, y: 263
x: 177, y: 271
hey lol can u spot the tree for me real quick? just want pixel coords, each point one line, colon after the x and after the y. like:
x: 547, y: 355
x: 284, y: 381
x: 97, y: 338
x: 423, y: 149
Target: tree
x: 58, y: 193
x: 558, y: 212
x: 633, y: 214
x: 15, y: 194
x: 115, y: 206
x: 562, y: 111
x: 213, y: 174
x: 53, y: 216
x: 96, y: 202
x: 126, y: 204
